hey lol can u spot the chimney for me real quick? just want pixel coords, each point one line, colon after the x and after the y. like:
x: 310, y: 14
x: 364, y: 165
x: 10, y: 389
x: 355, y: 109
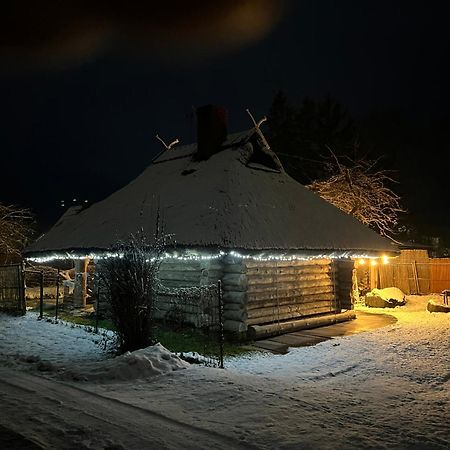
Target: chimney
x: 211, y: 130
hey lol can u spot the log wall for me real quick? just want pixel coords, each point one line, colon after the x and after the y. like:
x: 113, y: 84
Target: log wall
x: 183, y: 274
x: 259, y: 292
x: 344, y: 283
x: 234, y: 286
x: 254, y: 292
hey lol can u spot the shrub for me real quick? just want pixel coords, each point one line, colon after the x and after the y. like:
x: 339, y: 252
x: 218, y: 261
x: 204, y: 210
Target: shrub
x: 131, y: 281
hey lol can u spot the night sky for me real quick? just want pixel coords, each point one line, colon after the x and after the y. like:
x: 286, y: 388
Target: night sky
x: 85, y: 86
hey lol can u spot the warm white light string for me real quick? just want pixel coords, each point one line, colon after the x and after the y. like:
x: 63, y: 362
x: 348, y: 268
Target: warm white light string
x: 206, y: 257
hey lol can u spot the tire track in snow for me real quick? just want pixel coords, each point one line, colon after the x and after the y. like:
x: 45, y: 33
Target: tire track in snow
x: 59, y: 415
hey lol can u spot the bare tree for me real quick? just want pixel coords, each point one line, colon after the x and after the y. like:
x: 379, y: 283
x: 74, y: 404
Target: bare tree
x: 131, y: 283
x: 15, y: 229
x: 358, y: 188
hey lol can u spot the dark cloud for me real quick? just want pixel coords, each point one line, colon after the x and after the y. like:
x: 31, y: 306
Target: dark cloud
x: 69, y: 31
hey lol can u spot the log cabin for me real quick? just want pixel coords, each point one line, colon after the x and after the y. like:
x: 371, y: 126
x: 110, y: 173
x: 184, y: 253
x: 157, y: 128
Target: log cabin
x: 283, y: 254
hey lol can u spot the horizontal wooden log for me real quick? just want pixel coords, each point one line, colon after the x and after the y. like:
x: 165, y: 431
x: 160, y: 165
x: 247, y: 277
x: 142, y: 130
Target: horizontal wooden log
x: 213, y: 274
x: 234, y: 288
x: 281, y: 279
x: 265, y: 331
x: 301, y: 297
x: 266, y: 293
x: 234, y: 307
x: 234, y: 297
x: 181, y: 276
x: 187, y: 266
x: 234, y: 326
x: 229, y: 259
x: 274, y: 287
x: 234, y: 268
x: 290, y: 270
x: 234, y: 279
x: 289, y: 306
x: 290, y: 315
x: 274, y: 310
x: 240, y: 316
x: 309, y: 262
x: 300, y: 300
x: 211, y: 263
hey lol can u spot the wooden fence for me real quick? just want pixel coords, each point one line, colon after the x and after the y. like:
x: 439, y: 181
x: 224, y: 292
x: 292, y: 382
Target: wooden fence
x: 414, y: 273
x: 12, y: 289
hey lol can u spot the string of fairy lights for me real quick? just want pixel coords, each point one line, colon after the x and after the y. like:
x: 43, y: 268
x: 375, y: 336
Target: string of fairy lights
x: 361, y: 259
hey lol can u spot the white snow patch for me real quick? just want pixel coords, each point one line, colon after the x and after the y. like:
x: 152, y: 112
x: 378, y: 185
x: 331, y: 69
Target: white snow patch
x: 143, y: 363
x: 416, y: 332
x: 75, y: 352
x: 28, y: 339
x: 389, y: 293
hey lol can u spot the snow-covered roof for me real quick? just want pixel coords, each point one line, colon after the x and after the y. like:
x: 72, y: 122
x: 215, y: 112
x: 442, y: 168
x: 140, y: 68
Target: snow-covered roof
x: 239, y: 198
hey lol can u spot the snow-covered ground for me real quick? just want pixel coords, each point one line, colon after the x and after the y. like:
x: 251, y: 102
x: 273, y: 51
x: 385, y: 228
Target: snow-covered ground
x: 30, y: 343
x: 387, y: 388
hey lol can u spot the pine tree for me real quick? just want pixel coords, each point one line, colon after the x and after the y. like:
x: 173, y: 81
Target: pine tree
x: 302, y: 134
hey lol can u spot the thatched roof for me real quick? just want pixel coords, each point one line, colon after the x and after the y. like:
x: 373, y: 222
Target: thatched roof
x: 237, y: 199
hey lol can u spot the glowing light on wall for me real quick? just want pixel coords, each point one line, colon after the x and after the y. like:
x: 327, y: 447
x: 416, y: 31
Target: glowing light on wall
x: 385, y: 259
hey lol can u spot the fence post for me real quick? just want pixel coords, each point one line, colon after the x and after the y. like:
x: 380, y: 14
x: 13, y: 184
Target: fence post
x: 221, y: 335
x: 41, y: 295
x: 22, y: 294
x: 416, y: 277
x: 96, y: 309
x: 57, y: 295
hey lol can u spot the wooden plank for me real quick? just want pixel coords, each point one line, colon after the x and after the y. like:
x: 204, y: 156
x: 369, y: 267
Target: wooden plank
x: 415, y: 277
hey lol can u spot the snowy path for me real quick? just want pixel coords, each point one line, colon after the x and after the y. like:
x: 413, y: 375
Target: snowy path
x: 339, y: 411
x: 57, y: 415
x: 387, y: 388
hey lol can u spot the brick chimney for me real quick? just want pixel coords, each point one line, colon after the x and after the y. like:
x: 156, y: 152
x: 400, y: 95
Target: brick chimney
x: 211, y: 130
